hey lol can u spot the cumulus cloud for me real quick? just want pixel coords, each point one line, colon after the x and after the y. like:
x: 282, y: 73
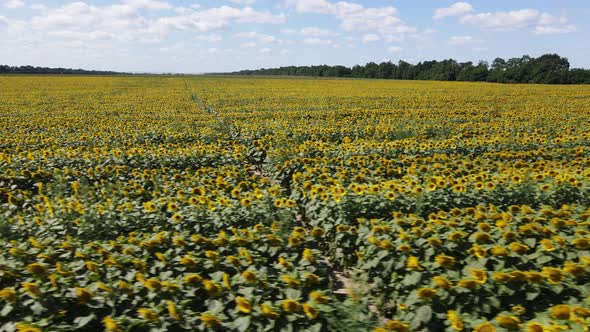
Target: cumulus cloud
x: 38, y: 6
x: 394, y: 49
x: 126, y: 21
x: 14, y: 4
x: 370, y: 38
x: 244, y: 2
x: 75, y: 33
x: 147, y: 4
x: 554, y: 30
x: 463, y: 40
x: 544, y: 23
x: 260, y: 37
x: 210, y: 38
x: 503, y: 20
x: 248, y: 45
x: 318, y: 41
x: 456, y: 9
x: 221, y: 17
x: 317, y: 32
x: 355, y: 17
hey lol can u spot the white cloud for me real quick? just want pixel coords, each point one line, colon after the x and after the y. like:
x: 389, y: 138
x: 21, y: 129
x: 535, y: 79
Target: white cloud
x: 518, y: 19
x: 126, y: 21
x: 370, y: 38
x: 77, y: 33
x: 219, y: 18
x: 503, y: 21
x: 38, y: 6
x: 553, y: 30
x: 546, y: 19
x: 456, y: 9
x: 244, y: 2
x: 311, y: 6
x: 463, y: 40
x: 260, y: 37
x: 317, y: 32
x: 147, y: 4
x: 317, y: 41
x: 355, y: 17
x: 14, y: 4
x: 210, y: 38
x: 394, y: 49
x: 248, y: 45
x: 265, y: 50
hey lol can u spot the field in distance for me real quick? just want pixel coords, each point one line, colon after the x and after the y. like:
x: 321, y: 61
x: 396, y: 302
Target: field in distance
x: 277, y: 204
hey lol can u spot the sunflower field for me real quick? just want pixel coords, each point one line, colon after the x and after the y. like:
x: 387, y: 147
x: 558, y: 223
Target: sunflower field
x: 273, y: 204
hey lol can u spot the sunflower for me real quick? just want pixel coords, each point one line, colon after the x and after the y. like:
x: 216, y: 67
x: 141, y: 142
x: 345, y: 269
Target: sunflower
x: 455, y: 320
x: 210, y: 320
x: 308, y: 255
x: 445, y: 261
x: 553, y: 275
x: 243, y: 305
x: 318, y: 297
x: 37, y: 269
x: 9, y: 294
x: 172, y: 310
x: 485, y: 327
x: 83, y: 295
x: 290, y: 305
x: 110, y: 324
x: 426, y: 293
x: 561, y: 312
x: 395, y: 325
x: 267, y: 311
x: 508, y: 322
x: 22, y: 327
x: 147, y: 314
x: 412, y: 263
x: 310, y: 311
x: 249, y: 276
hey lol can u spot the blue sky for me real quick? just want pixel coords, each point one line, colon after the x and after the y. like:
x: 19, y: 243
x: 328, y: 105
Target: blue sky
x: 205, y: 36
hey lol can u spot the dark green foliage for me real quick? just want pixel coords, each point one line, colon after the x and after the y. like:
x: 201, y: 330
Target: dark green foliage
x: 546, y: 69
x: 56, y: 71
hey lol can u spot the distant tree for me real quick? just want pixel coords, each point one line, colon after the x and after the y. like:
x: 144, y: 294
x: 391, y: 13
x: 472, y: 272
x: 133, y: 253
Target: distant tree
x: 579, y: 76
x: 358, y: 71
x: 548, y: 68
x: 404, y: 70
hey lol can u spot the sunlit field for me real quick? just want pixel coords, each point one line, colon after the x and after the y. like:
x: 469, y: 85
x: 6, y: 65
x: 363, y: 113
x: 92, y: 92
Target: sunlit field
x: 274, y: 204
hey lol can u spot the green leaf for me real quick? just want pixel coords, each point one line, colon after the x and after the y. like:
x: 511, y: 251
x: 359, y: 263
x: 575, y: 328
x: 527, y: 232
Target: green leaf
x: 84, y: 320
x: 6, y: 310
x: 293, y: 293
x: 532, y: 295
x: 316, y: 327
x: 544, y: 259
x: 242, y: 323
x: 423, y: 316
x: 37, y: 308
x: 530, y: 242
x: 412, y: 278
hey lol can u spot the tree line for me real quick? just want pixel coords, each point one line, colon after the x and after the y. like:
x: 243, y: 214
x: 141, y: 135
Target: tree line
x: 4, y: 69
x: 546, y: 69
